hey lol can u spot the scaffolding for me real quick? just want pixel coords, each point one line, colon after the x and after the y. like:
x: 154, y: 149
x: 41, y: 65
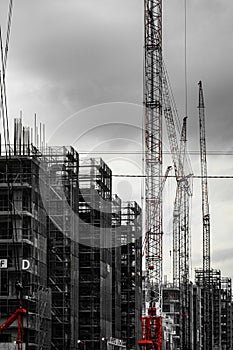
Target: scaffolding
x: 226, y: 317
x: 61, y: 166
x: 196, y: 319
x: 64, y: 239
x: 95, y: 253
x: 41, y: 241
x: 116, y: 267
x: 171, y: 307
x: 131, y: 273
x: 220, y: 308
x: 23, y: 242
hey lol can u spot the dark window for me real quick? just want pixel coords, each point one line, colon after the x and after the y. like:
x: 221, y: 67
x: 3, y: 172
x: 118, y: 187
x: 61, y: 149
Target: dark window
x: 4, y: 283
x: 5, y: 338
x: 6, y: 230
x: 4, y: 201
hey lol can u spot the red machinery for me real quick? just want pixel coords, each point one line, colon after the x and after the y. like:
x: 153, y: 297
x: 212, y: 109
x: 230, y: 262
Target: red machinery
x: 18, y: 314
x: 151, y: 331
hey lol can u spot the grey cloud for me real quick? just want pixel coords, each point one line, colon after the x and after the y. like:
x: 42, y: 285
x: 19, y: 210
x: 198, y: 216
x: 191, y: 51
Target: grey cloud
x: 64, y: 56
x: 223, y: 255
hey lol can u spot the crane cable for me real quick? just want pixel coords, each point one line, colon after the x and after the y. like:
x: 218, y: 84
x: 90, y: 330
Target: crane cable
x: 3, y: 98
x: 185, y: 58
x: 4, y: 115
x: 5, y: 61
x: 4, y: 55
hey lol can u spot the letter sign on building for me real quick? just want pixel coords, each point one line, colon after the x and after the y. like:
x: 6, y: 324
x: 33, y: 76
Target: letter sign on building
x: 3, y: 263
x: 25, y: 264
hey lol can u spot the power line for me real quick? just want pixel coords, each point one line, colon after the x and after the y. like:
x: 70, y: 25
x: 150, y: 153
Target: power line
x: 173, y: 176
x: 211, y: 153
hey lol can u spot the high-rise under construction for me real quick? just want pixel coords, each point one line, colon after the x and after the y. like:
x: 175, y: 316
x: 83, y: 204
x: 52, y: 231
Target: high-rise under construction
x: 63, y: 242
x: 23, y: 249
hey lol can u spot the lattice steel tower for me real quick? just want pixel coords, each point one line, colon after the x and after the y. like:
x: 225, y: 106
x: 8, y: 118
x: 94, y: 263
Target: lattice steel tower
x: 207, y: 317
x: 153, y: 144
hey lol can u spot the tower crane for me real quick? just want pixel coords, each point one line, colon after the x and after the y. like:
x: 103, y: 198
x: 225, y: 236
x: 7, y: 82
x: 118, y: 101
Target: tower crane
x: 183, y: 246
x: 207, y: 333
x: 177, y: 215
x: 152, y: 324
x: 156, y: 101
x: 181, y: 227
x: 153, y: 144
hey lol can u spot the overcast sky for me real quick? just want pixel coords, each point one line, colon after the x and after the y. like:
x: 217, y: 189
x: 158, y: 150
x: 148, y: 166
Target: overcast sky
x: 78, y: 64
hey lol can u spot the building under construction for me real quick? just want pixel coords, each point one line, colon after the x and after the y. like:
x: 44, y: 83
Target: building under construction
x: 110, y: 262
x: 61, y: 251
x: 71, y: 252
x: 116, y: 267
x: 220, y: 312
x: 95, y: 253
x: 171, y: 306
x: 220, y: 308
x: 59, y: 187
x: 23, y: 246
x: 71, y: 256
x: 131, y: 273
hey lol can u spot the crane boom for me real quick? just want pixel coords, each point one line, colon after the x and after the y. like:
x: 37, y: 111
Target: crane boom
x: 17, y: 315
x: 181, y: 213
x: 204, y: 184
x: 207, y: 339
x: 156, y: 204
x: 12, y: 318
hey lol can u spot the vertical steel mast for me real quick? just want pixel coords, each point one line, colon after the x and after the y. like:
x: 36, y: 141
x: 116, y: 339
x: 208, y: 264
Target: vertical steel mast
x: 153, y: 145
x: 207, y: 332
